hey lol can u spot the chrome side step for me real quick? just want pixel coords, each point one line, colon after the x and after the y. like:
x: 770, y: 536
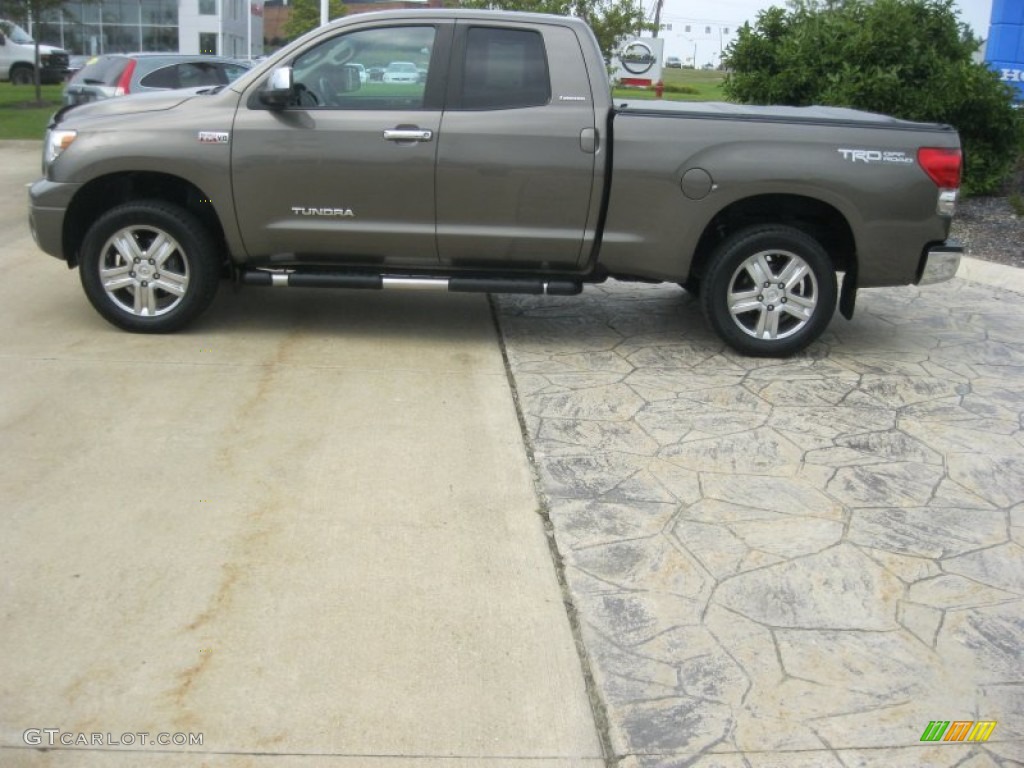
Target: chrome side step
x: 304, y: 279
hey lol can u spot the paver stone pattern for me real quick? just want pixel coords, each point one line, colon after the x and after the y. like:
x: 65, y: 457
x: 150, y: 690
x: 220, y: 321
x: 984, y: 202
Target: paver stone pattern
x: 787, y: 562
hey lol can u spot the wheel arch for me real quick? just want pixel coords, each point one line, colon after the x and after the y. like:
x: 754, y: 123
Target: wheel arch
x: 103, y: 193
x: 817, y: 218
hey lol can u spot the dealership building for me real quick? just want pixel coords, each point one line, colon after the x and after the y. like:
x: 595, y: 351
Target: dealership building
x: 222, y: 27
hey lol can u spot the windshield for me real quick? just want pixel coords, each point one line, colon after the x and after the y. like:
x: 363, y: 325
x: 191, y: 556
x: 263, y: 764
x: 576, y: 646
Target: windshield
x: 16, y: 33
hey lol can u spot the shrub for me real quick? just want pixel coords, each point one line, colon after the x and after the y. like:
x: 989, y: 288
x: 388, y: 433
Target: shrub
x: 907, y: 58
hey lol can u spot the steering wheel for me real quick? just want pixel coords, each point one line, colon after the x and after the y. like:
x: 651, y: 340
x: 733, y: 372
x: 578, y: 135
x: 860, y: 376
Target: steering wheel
x: 305, y: 97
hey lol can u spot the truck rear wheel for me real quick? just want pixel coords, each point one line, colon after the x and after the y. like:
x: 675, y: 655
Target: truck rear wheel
x: 769, y: 290
x: 149, y: 267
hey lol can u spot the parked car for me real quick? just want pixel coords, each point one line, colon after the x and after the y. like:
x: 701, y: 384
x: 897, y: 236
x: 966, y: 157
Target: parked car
x: 120, y: 74
x: 18, y: 55
x: 401, y: 72
x: 673, y: 62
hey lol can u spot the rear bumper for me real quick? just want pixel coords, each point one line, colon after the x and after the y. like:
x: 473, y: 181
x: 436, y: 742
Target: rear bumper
x: 939, y: 263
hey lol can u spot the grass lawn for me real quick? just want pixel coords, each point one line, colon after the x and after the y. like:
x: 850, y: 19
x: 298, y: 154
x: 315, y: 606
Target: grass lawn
x: 706, y: 83
x: 19, y: 117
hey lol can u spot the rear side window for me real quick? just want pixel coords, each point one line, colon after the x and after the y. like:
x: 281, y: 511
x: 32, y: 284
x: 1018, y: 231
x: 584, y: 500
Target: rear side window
x: 101, y: 71
x: 504, y: 69
x: 189, y: 75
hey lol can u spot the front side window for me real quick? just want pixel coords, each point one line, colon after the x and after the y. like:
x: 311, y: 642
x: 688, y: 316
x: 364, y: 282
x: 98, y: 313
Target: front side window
x: 380, y: 68
x: 504, y: 69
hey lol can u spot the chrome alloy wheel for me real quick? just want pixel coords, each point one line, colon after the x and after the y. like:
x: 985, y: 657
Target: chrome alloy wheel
x: 772, y: 294
x: 144, y: 271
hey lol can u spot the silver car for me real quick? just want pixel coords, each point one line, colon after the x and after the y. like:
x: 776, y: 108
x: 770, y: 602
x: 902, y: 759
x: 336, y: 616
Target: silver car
x: 401, y: 72
x: 120, y: 74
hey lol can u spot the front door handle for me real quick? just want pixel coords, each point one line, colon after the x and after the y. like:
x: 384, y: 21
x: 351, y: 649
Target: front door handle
x: 407, y: 134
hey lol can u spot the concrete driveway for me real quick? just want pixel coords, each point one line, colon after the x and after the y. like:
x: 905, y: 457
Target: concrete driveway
x: 308, y: 529
x: 305, y: 530
x: 789, y: 562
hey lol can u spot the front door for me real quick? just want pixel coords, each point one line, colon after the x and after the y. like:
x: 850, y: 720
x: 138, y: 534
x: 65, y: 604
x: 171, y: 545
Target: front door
x: 345, y: 174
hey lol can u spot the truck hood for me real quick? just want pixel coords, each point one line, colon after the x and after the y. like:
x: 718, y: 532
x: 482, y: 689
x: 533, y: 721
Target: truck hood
x: 128, y: 105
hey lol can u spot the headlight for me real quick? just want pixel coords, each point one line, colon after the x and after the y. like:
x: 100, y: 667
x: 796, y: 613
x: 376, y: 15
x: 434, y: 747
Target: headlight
x: 57, y: 140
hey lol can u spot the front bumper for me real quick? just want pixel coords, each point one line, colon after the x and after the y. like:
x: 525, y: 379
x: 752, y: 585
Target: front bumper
x: 48, y: 204
x: 939, y: 263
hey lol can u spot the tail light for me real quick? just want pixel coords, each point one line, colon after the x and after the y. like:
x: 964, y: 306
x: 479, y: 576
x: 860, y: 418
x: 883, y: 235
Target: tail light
x: 124, y: 82
x: 943, y: 167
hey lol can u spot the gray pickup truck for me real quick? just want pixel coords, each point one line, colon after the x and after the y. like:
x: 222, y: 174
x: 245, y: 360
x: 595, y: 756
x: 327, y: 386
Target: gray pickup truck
x: 477, y: 151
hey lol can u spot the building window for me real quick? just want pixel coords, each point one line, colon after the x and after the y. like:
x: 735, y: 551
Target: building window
x: 208, y: 43
x: 207, y: 7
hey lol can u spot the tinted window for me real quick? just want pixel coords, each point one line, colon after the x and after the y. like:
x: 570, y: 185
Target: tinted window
x: 194, y: 74
x: 380, y: 68
x: 165, y: 77
x: 504, y: 69
x: 102, y: 71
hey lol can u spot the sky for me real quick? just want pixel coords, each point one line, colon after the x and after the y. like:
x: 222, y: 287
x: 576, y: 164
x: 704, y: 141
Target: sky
x: 721, y: 15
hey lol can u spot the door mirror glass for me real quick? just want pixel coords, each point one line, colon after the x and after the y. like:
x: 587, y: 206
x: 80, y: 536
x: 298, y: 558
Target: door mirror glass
x: 280, y: 87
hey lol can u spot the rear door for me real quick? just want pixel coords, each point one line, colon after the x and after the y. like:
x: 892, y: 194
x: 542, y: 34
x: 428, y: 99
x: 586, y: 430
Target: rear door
x: 345, y: 175
x: 516, y: 183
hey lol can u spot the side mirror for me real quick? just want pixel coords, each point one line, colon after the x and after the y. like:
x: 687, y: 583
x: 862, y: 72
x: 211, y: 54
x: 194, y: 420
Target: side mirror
x: 3, y: 40
x: 279, y: 88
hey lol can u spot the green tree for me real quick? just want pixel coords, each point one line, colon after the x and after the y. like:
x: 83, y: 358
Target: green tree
x: 907, y: 58
x: 611, y: 20
x: 305, y: 16
x: 22, y: 11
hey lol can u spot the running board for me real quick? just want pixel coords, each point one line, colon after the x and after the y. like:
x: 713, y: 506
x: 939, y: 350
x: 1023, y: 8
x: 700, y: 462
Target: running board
x: 379, y: 282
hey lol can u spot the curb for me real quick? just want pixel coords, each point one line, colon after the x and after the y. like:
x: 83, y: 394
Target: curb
x: 992, y: 274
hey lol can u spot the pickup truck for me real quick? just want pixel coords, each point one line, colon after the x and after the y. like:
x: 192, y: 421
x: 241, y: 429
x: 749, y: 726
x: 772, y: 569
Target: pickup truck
x: 18, y: 56
x: 504, y: 166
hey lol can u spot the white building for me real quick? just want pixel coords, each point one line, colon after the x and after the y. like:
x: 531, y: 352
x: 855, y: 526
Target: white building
x: 220, y: 27
x: 698, y: 43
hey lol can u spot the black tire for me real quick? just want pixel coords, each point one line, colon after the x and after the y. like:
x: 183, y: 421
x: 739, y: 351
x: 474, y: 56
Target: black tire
x: 149, y: 267
x: 22, y: 75
x: 769, y: 290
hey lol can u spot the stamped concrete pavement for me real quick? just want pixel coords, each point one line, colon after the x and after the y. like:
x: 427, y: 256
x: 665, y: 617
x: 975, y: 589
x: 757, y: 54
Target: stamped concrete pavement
x: 788, y: 562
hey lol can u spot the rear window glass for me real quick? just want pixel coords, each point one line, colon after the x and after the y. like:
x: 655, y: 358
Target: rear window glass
x: 505, y: 69
x: 101, y: 71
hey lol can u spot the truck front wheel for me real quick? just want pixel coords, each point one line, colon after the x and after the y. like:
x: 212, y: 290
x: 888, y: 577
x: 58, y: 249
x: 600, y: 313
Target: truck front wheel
x: 769, y: 290
x: 21, y: 75
x: 149, y: 267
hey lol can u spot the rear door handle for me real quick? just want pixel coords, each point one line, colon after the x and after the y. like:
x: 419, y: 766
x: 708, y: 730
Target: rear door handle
x: 407, y: 134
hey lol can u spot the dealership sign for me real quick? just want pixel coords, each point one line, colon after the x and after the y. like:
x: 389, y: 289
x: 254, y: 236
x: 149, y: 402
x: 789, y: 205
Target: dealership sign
x: 638, y: 61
